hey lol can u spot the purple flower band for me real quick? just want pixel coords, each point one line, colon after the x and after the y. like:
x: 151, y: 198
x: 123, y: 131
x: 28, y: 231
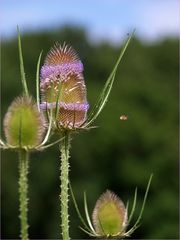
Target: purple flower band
x: 66, y: 106
x: 49, y: 70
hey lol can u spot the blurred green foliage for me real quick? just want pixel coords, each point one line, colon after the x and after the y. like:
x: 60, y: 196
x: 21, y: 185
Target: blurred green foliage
x: 119, y: 155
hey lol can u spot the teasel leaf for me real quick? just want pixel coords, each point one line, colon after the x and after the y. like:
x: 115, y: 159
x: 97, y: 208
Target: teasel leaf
x: 137, y: 223
x: 98, y: 107
x: 57, y: 109
x: 133, y: 207
x: 23, y: 77
x: 48, y: 130
x: 2, y: 144
x: 109, y: 215
x: 42, y: 147
x: 37, y: 81
x: 87, y: 215
x: 88, y: 230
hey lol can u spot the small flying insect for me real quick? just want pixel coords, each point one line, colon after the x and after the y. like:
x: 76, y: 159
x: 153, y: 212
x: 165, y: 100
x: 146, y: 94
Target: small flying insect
x: 123, y: 118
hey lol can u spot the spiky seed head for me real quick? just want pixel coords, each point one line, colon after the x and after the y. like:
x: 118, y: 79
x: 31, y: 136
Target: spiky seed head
x: 109, y: 215
x: 24, y: 125
x: 61, y: 54
x: 62, y: 82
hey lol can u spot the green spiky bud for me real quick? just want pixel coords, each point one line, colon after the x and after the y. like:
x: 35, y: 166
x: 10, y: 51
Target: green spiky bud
x: 23, y: 123
x: 109, y: 215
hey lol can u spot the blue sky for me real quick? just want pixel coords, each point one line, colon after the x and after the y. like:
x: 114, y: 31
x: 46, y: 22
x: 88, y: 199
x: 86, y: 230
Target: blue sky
x: 103, y: 19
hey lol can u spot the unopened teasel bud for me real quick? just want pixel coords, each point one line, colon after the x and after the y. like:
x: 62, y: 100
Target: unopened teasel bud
x: 109, y: 215
x: 23, y: 123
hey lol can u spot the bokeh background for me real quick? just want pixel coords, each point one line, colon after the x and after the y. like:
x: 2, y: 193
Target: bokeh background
x: 118, y: 155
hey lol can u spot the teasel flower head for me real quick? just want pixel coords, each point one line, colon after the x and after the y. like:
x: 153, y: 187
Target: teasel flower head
x: 109, y: 215
x: 24, y: 125
x: 63, y: 88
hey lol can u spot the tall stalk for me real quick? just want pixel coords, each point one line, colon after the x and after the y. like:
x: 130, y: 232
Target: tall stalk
x: 64, y: 178
x: 23, y: 190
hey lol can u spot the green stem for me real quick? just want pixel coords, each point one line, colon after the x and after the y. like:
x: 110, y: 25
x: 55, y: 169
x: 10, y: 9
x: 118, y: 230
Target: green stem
x: 23, y: 189
x: 64, y: 178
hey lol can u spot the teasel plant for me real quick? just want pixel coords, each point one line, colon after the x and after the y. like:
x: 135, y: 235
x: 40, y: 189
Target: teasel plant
x: 63, y: 94
x: 26, y: 130
x: 110, y: 217
x: 64, y: 104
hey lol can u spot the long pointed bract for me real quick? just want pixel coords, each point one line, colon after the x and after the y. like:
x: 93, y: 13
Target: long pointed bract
x: 133, y: 207
x: 23, y: 77
x: 87, y: 214
x: 48, y: 130
x: 144, y: 201
x: 37, y: 81
x: 107, y: 88
x: 136, y: 225
x: 77, y: 209
x: 2, y: 142
x: 49, y: 145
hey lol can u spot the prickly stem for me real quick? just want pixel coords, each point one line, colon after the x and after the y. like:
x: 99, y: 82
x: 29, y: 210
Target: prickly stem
x: 23, y: 190
x: 64, y: 178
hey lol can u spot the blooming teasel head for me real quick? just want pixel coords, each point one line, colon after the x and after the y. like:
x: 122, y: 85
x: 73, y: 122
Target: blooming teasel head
x: 63, y: 88
x: 24, y: 125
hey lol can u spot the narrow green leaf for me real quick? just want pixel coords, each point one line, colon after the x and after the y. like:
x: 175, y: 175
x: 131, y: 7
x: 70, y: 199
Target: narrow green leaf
x: 87, y: 214
x: 37, y: 81
x: 133, y: 207
x: 23, y: 78
x: 89, y: 233
x: 2, y: 142
x: 136, y: 225
x: 127, y: 207
x: 20, y: 131
x: 101, y: 102
x: 49, y: 145
x: 77, y: 209
x: 107, y: 88
x: 49, y: 129
x: 57, y: 100
x: 128, y: 233
x: 127, y: 210
x: 144, y: 201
